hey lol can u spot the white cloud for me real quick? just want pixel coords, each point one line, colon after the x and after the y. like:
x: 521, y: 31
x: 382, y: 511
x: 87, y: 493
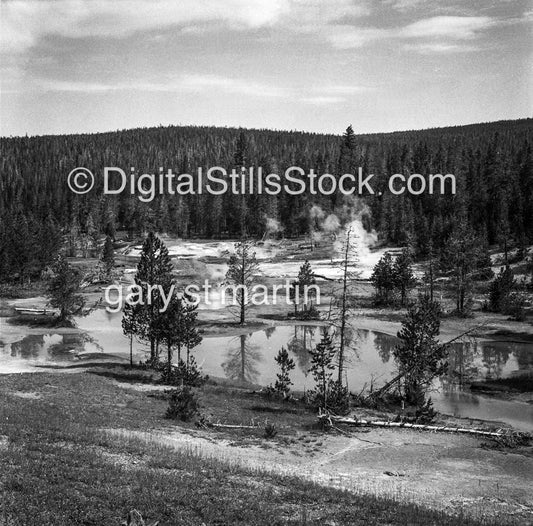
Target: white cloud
x: 185, y: 83
x: 24, y: 22
x: 453, y: 27
x: 206, y: 84
x: 230, y: 85
x: 349, y: 37
x: 438, y: 34
x: 322, y: 100
x: 340, y: 89
x: 404, y: 5
x: 436, y: 48
x: 305, y: 15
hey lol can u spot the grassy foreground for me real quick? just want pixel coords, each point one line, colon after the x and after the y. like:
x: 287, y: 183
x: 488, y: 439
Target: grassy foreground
x: 59, y: 466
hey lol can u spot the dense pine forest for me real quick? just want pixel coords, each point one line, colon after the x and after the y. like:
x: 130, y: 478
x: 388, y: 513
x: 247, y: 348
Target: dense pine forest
x: 492, y: 163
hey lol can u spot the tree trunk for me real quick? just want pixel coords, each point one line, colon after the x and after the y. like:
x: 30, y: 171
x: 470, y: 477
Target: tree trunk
x: 343, y: 310
x: 243, y: 358
x: 152, y: 351
x: 431, y: 280
x: 324, y: 389
x: 243, y: 283
x: 169, y: 358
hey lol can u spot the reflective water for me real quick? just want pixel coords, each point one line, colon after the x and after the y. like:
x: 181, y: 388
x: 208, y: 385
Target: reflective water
x: 250, y: 358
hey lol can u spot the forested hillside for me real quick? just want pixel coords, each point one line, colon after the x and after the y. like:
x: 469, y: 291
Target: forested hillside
x: 492, y: 163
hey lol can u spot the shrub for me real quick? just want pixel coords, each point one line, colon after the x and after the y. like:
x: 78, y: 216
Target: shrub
x: 182, y: 374
x: 339, y: 398
x: 516, y: 306
x: 270, y: 430
x: 311, y: 313
x: 183, y: 404
x: 426, y: 414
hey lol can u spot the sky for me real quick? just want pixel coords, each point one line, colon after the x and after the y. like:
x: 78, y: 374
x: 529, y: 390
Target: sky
x: 73, y: 66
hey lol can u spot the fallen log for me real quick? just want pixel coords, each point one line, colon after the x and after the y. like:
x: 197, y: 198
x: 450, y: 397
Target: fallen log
x: 23, y: 310
x: 321, y: 276
x: 231, y: 426
x: 330, y: 419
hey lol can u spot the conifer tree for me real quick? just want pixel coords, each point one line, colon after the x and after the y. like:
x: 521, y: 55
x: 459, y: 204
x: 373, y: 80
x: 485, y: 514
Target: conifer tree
x: 403, y: 276
x: 189, y: 331
x: 322, y: 367
x: 64, y: 288
x: 461, y: 255
x: 286, y: 365
x: 154, y: 270
x: 179, y: 329
x: 48, y: 242
x: 383, y: 279
x: 23, y: 243
x: 302, y: 286
x: 241, y: 273
x: 240, y: 161
x: 171, y: 329
x: 108, y: 255
x: 130, y: 318
x: 347, y: 162
x: 430, y: 274
x: 419, y: 356
x: 500, y: 290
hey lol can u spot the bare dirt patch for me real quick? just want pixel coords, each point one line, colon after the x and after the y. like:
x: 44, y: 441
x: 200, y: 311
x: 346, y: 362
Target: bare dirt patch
x: 441, y: 471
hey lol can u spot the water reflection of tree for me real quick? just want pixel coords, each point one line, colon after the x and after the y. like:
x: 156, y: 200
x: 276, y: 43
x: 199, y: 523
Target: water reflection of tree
x: 300, y: 344
x: 384, y: 344
x: 524, y: 356
x: 72, y: 342
x: 354, y: 340
x: 29, y: 347
x: 494, y: 358
x: 461, y: 368
x: 269, y: 332
x: 241, y: 361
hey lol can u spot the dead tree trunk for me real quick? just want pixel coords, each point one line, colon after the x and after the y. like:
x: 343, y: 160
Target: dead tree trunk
x: 331, y: 419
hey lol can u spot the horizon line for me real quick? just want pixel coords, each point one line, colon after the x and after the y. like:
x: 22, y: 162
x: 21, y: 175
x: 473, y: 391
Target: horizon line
x: 253, y: 129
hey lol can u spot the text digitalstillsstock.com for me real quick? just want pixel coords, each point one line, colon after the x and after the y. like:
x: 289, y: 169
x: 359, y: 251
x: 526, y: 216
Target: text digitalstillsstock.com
x: 218, y: 181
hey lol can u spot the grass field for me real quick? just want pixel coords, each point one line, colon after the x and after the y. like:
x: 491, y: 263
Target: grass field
x: 59, y: 466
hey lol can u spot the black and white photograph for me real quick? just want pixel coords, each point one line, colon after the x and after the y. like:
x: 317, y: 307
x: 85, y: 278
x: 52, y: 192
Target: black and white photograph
x: 266, y: 262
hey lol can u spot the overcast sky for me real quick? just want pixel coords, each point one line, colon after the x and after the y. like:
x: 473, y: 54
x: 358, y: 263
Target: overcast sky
x: 96, y: 65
